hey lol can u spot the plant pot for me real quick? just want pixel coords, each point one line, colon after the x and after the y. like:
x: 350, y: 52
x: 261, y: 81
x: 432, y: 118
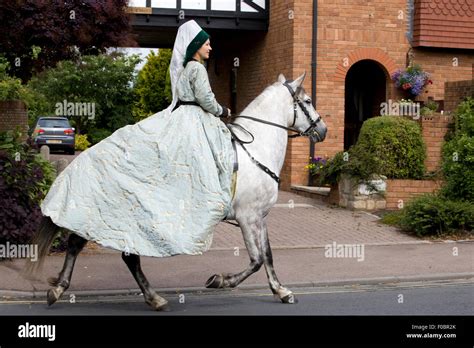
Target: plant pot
x: 314, y: 181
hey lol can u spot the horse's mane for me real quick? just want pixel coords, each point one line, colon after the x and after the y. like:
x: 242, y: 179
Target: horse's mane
x: 262, y: 96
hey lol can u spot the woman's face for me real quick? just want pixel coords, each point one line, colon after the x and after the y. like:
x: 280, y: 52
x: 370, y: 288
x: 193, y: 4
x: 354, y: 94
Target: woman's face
x: 203, y: 52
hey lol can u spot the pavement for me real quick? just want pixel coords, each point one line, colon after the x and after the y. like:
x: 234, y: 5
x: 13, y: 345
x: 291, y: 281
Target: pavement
x: 302, y: 233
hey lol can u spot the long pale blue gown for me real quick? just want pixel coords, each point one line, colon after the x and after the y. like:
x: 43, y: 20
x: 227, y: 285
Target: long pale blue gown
x: 155, y: 188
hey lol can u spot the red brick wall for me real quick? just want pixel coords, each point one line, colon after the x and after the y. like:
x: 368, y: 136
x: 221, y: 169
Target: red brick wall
x: 12, y: 115
x: 434, y: 129
x: 401, y: 191
x: 455, y: 92
x: 443, y: 66
x: 348, y: 31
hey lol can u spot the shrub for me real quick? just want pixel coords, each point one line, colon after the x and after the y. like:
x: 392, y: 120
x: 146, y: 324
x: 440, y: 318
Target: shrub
x: 392, y: 218
x: 331, y: 172
x: 25, y: 179
x: 395, y: 145
x: 153, y: 87
x: 429, y: 108
x: 458, y: 155
x: 10, y: 88
x: 464, y: 117
x: 452, y: 208
x: 458, y: 164
x: 355, y: 163
x: 430, y: 215
x: 96, y: 135
x: 81, y: 142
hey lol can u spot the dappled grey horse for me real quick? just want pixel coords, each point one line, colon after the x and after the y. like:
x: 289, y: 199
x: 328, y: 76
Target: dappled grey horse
x: 281, y: 107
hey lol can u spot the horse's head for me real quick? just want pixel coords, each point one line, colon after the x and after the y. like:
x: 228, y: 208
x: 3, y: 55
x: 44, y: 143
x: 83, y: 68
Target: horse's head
x: 303, y: 118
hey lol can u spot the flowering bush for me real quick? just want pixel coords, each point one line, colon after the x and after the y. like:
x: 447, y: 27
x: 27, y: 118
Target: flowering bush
x: 316, y: 165
x: 412, y: 80
x: 82, y: 143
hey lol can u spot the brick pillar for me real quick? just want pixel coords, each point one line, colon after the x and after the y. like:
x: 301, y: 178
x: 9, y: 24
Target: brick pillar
x: 434, y: 129
x: 455, y: 92
x: 12, y: 115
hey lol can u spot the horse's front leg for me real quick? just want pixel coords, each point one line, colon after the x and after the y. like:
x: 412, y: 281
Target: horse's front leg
x: 250, y: 230
x: 285, y: 295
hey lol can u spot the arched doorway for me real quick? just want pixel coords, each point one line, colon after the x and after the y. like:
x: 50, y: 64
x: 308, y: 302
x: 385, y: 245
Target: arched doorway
x: 365, y: 90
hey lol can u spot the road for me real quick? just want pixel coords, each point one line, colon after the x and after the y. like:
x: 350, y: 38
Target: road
x: 418, y: 298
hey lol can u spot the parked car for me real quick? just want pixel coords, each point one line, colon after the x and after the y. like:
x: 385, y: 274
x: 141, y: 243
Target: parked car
x: 56, y: 133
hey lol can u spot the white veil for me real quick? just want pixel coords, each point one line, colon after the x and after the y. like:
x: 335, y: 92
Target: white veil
x: 186, y: 33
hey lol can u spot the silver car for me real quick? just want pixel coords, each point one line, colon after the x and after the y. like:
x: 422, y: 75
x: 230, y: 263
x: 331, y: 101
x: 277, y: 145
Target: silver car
x: 56, y: 133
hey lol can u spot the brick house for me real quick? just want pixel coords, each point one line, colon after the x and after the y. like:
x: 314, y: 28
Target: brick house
x: 359, y: 45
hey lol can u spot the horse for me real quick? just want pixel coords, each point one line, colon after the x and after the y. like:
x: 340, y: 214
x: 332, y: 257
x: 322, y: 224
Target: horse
x: 281, y: 107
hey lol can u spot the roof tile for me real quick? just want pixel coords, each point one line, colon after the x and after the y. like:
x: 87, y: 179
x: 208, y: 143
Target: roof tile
x: 454, y: 16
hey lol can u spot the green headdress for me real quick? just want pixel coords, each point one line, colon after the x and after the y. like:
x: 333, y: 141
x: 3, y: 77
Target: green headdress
x: 195, y: 45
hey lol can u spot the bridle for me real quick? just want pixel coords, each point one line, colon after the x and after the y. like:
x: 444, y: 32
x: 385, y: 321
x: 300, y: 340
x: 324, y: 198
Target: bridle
x: 296, y: 102
x: 308, y: 132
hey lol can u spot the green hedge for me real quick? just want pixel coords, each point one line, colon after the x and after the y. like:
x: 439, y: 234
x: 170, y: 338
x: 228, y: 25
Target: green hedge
x: 433, y: 215
x: 395, y: 144
x: 452, y: 209
x: 458, y: 155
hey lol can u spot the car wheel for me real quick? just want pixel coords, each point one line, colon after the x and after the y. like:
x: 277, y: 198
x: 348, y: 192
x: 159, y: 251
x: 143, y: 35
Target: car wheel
x: 72, y: 151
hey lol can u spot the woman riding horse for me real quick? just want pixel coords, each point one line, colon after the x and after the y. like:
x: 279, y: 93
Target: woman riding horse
x: 156, y: 188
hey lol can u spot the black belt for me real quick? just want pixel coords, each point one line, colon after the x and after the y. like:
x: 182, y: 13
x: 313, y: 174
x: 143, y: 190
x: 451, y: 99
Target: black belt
x: 181, y: 102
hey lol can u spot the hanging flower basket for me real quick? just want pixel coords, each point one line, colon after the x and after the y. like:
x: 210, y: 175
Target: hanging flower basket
x: 412, y: 80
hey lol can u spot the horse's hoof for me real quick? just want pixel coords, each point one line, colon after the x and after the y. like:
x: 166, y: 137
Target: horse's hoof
x: 215, y: 282
x: 53, y: 295
x: 158, y: 304
x: 290, y: 298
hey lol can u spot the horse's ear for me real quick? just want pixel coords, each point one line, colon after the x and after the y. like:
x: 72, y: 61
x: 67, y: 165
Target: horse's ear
x: 281, y: 78
x: 299, y: 81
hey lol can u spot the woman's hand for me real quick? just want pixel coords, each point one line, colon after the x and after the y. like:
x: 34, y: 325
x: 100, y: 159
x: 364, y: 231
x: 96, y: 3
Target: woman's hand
x: 225, y: 112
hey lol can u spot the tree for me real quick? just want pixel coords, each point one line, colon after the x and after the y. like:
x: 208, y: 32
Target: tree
x: 38, y: 33
x: 10, y: 88
x: 102, y: 86
x: 153, y: 88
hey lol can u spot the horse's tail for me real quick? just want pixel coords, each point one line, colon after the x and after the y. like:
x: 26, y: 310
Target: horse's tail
x: 43, y: 239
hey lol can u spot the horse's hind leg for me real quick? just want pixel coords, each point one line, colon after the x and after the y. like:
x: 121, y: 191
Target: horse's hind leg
x: 151, y: 297
x: 250, y: 231
x: 285, y: 295
x: 61, y: 283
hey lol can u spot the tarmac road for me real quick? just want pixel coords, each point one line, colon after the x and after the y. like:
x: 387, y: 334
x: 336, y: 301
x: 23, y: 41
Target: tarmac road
x: 454, y: 297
